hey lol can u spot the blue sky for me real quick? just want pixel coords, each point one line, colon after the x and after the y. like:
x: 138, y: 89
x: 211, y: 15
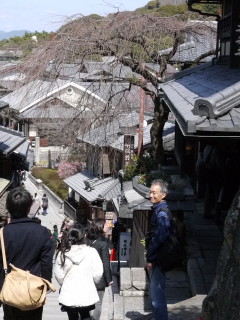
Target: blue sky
x: 48, y: 15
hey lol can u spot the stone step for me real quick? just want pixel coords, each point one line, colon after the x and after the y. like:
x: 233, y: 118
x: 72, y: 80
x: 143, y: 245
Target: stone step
x: 189, y: 309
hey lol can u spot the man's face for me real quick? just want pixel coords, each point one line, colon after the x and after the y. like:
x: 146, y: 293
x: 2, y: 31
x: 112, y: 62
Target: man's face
x: 155, y: 194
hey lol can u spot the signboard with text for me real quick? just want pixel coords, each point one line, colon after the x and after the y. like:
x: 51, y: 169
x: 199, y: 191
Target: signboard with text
x: 128, y: 148
x: 124, y: 246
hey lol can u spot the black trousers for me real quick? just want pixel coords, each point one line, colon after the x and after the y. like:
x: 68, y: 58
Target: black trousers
x: 11, y: 313
x: 75, y: 312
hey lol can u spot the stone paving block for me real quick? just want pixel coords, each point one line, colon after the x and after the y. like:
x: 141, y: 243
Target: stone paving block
x: 139, y: 278
x: 177, y: 284
x: 118, y: 307
x: 176, y: 275
x: 133, y: 293
x: 196, y: 281
x: 178, y: 293
x: 125, y: 279
x: 137, y: 303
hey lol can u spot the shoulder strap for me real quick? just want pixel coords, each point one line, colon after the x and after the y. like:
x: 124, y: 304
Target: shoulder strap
x: 170, y: 217
x: 3, y: 251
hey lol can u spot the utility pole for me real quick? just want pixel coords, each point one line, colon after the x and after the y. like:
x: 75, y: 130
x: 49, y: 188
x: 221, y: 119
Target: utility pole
x: 141, y: 119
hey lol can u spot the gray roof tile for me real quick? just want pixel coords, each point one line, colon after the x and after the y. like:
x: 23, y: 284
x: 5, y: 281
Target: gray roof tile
x: 201, y: 97
x: 10, y: 140
x: 107, y: 188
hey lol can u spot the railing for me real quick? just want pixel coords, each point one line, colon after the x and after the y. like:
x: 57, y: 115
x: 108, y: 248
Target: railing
x: 69, y: 210
x: 141, y: 220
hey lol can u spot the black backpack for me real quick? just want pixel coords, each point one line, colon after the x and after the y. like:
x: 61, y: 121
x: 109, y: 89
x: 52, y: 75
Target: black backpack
x: 171, y: 253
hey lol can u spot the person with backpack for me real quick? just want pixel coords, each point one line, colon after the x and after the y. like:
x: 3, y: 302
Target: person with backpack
x: 159, y: 233
x: 44, y: 204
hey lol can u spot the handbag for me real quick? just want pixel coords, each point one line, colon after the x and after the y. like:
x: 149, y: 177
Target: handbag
x: 21, y: 289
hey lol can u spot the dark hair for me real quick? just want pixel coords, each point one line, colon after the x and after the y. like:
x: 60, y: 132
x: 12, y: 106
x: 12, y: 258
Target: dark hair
x: 95, y: 228
x: 19, y: 202
x: 76, y: 235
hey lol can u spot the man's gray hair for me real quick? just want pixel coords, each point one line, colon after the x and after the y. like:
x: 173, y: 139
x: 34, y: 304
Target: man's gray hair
x: 162, y: 184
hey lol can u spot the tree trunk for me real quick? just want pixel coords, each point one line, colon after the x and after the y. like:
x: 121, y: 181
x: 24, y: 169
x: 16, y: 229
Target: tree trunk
x: 160, y: 118
x: 222, y: 302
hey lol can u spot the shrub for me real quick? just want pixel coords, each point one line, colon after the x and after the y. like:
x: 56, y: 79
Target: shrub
x: 138, y: 166
x: 51, y: 179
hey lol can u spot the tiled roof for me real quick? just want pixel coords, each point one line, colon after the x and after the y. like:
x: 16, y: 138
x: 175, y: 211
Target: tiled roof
x: 22, y: 150
x: 3, y: 197
x: 38, y: 92
x: 196, y: 43
x: 107, y: 188
x: 3, y: 104
x: 168, y: 137
x: 90, y: 69
x: 205, y: 99
x: 54, y: 109
x: 10, y: 140
x: 109, y: 133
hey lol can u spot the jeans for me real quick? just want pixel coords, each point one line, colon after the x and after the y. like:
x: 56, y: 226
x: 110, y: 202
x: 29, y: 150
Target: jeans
x: 11, y: 313
x: 157, y: 293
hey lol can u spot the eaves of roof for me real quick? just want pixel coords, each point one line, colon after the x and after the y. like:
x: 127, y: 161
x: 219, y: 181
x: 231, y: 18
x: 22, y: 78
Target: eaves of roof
x: 3, y: 104
x: 10, y: 140
x: 205, y: 100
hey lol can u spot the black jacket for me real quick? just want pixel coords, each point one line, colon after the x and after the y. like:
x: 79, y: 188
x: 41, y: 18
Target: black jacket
x: 28, y: 247
x: 102, y: 247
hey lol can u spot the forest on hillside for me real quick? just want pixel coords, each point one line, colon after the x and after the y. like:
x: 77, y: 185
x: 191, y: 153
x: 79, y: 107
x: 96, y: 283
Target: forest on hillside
x: 30, y: 41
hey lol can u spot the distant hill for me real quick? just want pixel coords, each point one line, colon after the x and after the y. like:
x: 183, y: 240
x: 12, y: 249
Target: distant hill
x: 171, y: 2
x: 14, y: 33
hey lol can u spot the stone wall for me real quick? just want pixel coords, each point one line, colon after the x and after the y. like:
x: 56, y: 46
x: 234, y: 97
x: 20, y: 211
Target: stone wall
x: 133, y: 298
x: 222, y: 301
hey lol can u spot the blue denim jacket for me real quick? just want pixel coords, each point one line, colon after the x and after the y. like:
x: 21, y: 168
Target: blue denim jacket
x: 160, y: 229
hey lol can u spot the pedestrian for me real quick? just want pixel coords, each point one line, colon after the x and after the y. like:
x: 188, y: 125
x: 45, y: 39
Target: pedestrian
x: 159, y: 231
x: 64, y: 230
x: 35, y: 208
x: 77, y: 268
x: 55, y: 237
x: 23, y: 175
x: 97, y: 240
x: 23, y: 185
x: 28, y: 247
x: 44, y: 204
x: 36, y: 200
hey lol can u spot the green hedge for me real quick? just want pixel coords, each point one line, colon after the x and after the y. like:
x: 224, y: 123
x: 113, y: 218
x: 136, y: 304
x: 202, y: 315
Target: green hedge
x: 51, y: 179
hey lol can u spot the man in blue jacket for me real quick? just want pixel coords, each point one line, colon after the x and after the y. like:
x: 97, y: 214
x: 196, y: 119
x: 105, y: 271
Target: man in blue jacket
x: 159, y: 232
x: 28, y: 247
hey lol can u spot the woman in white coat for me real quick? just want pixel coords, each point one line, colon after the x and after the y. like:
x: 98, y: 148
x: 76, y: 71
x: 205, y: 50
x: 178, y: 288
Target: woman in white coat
x: 78, y: 267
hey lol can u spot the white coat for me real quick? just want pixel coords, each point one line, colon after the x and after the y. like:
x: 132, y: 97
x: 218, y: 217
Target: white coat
x: 82, y: 269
